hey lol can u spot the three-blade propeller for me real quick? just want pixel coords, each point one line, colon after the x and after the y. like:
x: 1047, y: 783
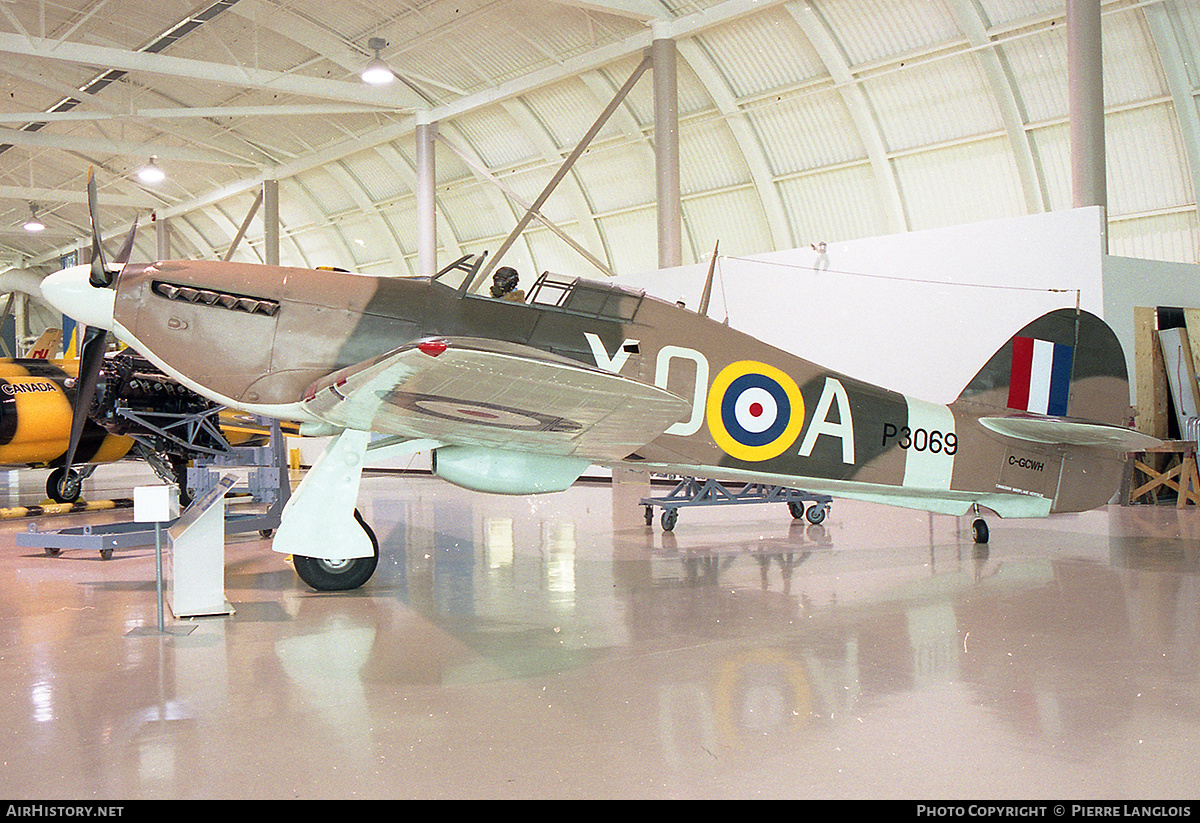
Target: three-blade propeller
x: 95, y: 342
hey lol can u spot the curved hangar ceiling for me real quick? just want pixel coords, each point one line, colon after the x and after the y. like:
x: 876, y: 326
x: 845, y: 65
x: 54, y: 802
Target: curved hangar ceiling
x: 798, y: 122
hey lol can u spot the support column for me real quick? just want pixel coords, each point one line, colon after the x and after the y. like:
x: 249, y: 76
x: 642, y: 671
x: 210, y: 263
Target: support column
x: 271, y: 222
x: 22, y: 336
x: 666, y: 150
x: 426, y: 216
x: 162, y: 238
x: 1085, y: 84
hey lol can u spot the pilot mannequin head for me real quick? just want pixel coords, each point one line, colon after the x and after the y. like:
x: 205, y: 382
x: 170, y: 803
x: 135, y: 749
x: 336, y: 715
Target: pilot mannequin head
x: 504, y: 280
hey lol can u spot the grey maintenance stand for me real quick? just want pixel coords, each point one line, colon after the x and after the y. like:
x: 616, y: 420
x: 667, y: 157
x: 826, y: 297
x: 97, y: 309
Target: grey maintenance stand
x: 691, y: 491
x: 267, y: 484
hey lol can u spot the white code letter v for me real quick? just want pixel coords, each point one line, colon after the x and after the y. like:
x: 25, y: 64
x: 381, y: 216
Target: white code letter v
x: 603, y: 361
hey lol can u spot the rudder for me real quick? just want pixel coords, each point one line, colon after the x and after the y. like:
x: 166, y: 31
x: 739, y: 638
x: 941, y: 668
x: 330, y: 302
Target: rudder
x: 1067, y: 363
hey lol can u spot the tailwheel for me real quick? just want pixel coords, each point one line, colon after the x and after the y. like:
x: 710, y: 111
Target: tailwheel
x: 339, y: 575
x: 64, y: 485
x: 979, y: 530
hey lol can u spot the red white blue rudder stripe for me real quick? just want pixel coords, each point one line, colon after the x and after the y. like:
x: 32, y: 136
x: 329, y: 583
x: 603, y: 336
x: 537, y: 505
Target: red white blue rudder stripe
x: 1041, y: 376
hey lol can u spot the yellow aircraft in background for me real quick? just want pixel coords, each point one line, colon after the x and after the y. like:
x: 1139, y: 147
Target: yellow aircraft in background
x: 36, y: 398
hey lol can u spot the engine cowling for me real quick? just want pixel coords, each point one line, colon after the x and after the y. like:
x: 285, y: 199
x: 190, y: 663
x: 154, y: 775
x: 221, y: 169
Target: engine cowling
x: 499, y: 471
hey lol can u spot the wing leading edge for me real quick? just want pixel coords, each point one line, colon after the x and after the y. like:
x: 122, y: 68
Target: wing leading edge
x: 474, y: 391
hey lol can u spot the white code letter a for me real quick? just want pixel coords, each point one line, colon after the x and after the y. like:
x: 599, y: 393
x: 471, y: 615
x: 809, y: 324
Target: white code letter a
x: 843, y: 428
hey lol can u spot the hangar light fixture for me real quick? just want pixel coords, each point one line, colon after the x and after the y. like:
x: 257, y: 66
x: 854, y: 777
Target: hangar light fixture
x: 151, y: 172
x: 376, y: 72
x: 33, y: 224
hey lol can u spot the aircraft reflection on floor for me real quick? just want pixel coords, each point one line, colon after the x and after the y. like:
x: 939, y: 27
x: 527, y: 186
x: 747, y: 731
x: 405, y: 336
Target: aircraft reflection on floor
x: 531, y: 596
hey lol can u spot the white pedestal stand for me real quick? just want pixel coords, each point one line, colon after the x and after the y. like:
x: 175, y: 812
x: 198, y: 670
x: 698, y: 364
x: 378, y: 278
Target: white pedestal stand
x: 197, y: 568
x: 157, y: 505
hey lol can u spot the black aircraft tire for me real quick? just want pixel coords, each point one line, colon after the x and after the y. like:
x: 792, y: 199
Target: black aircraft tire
x: 816, y: 514
x: 979, y: 531
x: 338, y: 575
x: 64, y: 485
x: 179, y: 468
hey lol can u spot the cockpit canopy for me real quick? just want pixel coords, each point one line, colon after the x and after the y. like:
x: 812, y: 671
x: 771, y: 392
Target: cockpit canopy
x: 573, y: 295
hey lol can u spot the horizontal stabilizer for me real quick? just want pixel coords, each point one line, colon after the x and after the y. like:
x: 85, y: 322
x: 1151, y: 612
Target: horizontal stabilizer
x: 1067, y: 432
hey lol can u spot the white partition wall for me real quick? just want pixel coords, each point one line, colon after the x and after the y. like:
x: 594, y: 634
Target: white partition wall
x: 917, y: 312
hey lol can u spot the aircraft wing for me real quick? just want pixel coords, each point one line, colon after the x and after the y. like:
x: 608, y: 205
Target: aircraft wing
x: 474, y: 391
x: 1067, y: 432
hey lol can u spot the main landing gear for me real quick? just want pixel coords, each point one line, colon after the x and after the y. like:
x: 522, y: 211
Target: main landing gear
x: 320, y: 526
x: 339, y: 575
x: 64, y: 485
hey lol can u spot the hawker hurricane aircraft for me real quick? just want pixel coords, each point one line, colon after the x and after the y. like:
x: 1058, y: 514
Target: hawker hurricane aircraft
x: 520, y: 396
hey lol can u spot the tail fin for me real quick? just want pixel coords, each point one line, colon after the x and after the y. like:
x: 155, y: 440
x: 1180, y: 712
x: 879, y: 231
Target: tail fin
x: 1065, y: 364
x: 45, y: 346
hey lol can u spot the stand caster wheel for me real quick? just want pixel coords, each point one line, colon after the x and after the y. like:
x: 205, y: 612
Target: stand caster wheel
x: 669, y: 516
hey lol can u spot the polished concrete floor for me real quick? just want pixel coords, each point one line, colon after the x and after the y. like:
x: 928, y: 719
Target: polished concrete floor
x: 559, y: 647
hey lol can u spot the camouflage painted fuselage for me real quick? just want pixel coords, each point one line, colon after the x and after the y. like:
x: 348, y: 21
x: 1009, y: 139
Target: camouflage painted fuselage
x: 258, y: 337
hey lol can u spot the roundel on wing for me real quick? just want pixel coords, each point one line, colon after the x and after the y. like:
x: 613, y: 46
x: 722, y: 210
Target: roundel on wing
x: 755, y: 411
x: 479, y: 413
